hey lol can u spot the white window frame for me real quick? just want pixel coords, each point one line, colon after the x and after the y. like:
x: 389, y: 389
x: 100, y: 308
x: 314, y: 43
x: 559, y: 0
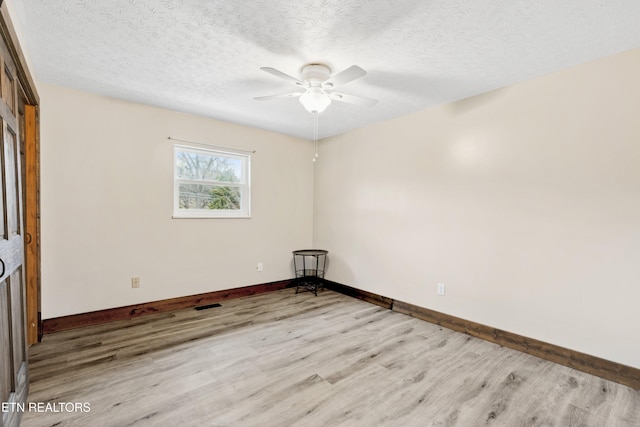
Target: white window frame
x: 244, y: 185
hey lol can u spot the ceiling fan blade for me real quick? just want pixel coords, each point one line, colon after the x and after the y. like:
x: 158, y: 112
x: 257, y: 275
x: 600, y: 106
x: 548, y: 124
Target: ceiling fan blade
x: 352, y: 99
x: 282, y: 75
x: 345, y: 76
x: 281, y: 95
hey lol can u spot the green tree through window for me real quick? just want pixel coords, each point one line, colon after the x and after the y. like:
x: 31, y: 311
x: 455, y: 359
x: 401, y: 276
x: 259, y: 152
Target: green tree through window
x: 225, y: 198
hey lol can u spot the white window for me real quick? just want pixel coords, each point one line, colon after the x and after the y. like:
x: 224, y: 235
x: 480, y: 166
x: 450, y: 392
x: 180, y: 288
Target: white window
x: 211, y: 183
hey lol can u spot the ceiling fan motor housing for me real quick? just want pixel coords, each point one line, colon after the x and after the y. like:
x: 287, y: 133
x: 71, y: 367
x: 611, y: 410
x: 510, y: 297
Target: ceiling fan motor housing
x: 314, y: 74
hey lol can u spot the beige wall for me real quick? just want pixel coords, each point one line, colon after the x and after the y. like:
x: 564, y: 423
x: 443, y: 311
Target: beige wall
x: 524, y: 202
x: 107, y: 183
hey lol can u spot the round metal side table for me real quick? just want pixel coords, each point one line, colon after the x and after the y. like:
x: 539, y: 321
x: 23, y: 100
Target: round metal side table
x: 309, y: 265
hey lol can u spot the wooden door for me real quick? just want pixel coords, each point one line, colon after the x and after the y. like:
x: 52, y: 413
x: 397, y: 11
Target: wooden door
x: 13, y: 350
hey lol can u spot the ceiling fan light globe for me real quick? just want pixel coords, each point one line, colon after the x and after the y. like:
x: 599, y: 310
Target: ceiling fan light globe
x: 315, y: 101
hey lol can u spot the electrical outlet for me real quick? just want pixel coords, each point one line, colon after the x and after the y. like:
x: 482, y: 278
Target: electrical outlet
x: 259, y: 267
x: 135, y: 282
x: 440, y: 288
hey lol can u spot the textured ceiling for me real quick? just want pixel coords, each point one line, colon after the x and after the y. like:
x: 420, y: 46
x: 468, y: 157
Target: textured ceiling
x: 204, y: 56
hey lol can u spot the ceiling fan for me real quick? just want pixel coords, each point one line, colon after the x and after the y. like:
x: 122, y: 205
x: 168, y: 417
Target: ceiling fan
x: 316, y: 84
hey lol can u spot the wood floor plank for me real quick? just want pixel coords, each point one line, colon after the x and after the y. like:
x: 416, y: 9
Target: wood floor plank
x: 286, y: 359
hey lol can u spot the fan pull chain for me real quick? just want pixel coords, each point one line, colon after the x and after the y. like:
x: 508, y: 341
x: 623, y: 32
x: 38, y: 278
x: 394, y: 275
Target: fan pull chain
x: 315, y: 136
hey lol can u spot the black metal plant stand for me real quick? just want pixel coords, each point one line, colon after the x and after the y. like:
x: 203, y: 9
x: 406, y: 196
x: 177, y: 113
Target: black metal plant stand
x: 309, y: 265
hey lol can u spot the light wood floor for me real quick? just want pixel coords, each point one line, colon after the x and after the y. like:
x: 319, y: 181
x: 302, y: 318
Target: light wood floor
x: 281, y: 359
